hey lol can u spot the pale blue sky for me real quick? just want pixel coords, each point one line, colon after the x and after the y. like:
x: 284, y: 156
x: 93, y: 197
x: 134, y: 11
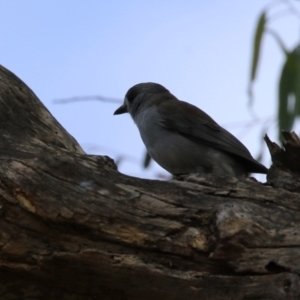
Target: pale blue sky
x: 199, y: 50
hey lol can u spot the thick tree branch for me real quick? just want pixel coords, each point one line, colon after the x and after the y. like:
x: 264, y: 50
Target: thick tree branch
x: 73, y: 227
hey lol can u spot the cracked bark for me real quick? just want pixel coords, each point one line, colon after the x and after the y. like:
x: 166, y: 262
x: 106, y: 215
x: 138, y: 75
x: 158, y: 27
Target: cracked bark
x: 73, y: 227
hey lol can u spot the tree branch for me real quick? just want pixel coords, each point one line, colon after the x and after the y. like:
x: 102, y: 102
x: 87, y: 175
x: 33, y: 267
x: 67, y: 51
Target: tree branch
x: 73, y: 227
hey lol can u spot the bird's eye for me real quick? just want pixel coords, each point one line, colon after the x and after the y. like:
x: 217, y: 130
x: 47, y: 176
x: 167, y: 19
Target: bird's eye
x: 131, y: 95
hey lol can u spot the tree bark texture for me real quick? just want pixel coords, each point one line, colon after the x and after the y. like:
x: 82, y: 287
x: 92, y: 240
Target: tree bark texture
x: 73, y: 227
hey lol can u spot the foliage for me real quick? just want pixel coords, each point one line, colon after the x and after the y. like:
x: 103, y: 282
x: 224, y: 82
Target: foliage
x: 289, y: 82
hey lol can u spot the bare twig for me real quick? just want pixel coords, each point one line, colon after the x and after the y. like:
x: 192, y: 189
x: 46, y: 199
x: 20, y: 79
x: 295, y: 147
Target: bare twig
x: 87, y: 98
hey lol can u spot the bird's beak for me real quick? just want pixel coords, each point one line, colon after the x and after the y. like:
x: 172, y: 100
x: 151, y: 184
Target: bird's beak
x: 121, y: 110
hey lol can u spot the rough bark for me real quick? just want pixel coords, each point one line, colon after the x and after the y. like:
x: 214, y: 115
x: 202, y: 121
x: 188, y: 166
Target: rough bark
x: 285, y: 170
x: 73, y: 227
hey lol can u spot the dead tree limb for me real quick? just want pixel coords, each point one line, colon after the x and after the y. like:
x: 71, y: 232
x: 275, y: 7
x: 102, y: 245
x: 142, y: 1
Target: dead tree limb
x: 73, y: 227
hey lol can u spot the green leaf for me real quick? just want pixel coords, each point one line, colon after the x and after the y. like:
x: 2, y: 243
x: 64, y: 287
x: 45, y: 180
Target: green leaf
x: 296, y: 63
x: 257, y: 42
x: 260, y: 28
x: 289, y: 88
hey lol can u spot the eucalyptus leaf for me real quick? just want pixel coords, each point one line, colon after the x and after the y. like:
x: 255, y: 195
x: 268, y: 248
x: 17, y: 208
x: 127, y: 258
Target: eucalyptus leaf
x: 260, y: 28
x: 289, y: 91
x: 257, y: 42
x: 296, y: 62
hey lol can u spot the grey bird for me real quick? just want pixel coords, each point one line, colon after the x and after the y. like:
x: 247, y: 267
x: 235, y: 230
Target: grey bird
x: 182, y: 138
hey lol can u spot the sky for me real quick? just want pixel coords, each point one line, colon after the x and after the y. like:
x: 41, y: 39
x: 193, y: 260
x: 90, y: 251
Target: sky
x: 199, y: 50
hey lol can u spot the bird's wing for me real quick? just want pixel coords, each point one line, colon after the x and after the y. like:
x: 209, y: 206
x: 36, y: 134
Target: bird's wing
x: 189, y: 120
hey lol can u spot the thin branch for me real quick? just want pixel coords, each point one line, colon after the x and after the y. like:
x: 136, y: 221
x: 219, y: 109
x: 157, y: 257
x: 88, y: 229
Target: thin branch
x: 292, y: 9
x: 253, y: 123
x: 278, y: 39
x: 258, y: 121
x: 289, y: 10
x: 87, y: 98
x: 272, y: 4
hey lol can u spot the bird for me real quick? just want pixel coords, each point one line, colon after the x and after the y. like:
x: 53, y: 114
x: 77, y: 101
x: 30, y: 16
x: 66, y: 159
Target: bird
x: 182, y: 138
